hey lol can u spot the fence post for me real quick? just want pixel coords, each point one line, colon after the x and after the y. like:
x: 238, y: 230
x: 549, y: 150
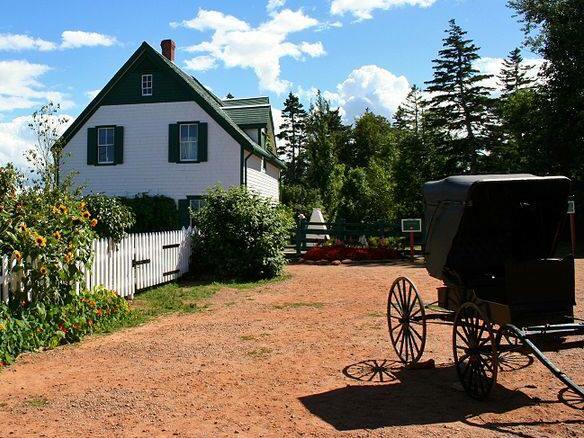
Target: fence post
x: 300, y: 236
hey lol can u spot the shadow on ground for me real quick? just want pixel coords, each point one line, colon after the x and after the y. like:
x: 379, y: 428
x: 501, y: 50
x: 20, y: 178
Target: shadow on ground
x: 412, y: 397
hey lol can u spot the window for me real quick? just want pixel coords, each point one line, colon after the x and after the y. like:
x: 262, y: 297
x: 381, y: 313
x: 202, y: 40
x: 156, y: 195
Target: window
x: 105, y: 145
x: 195, y: 204
x: 188, y: 138
x: 147, y: 85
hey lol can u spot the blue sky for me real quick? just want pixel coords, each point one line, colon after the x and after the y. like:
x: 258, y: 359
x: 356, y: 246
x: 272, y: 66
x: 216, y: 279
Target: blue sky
x: 362, y: 53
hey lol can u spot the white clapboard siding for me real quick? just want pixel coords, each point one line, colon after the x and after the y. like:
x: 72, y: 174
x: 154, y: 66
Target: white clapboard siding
x: 137, y: 262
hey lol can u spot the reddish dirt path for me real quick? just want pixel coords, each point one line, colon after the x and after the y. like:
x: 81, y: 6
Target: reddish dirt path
x: 269, y: 362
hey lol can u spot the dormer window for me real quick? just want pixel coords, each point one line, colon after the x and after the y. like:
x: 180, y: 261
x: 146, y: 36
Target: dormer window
x: 147, y: 85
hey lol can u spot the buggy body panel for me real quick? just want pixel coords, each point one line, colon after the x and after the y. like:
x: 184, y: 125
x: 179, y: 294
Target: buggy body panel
x: 492, y: 238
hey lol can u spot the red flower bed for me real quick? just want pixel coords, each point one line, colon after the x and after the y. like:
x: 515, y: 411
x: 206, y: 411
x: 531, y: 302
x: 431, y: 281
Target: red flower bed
x: 339, y: 252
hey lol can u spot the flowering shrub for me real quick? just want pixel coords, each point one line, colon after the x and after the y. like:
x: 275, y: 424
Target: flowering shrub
x: 112, y: 216
x: 47, y: 234
x: 340, y: 251
x: 41, y: 326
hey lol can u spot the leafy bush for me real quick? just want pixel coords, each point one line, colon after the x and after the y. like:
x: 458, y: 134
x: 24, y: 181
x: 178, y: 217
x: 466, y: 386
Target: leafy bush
x: 114, y: 218
x: 48, y: 235
x: 153, y: 213
x: 43, y: 325
x: 240, y: 235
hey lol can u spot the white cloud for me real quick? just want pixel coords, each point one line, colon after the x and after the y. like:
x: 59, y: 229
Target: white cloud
x: 236, y: 43
x: 369, y: 86
x: 14, y: 42
x: 16, y: 138
x: 72, y: 39
x: 362, y: 9
x: 201, y: 63
x: 492, y: 66
x: 21, y: 88
x: 272, y: 5
x: 91, y: 94
x: 277, y: 117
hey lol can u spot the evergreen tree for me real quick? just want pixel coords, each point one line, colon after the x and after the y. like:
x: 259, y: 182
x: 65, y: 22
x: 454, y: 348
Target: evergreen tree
x: 292, y: 137
x: 325, y: 134
x: 410, y: 112
x: 459, y: 105
x: 514, y: 76
x: 229, y: 96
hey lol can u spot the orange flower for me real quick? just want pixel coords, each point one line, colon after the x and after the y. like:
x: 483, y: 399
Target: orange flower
x: 43, y: 270
x: 93, y: 223
x: 86, y: 214
x: 22, y: 226
x: 69, y: 257
x: 41, y: 241
x: 63, y: 208
x: 17, y: 255
x: 82, y: 205
x: 57, y: 235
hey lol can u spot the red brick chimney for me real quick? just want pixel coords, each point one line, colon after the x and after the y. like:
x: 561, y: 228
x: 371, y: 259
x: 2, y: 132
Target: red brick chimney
x: 168, y: 47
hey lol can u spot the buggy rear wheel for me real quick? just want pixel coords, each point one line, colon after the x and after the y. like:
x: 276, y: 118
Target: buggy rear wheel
x: 475, y: 351
x: 406, y: 320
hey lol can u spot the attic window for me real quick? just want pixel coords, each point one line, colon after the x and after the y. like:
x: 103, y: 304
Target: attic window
x: 147, y: 85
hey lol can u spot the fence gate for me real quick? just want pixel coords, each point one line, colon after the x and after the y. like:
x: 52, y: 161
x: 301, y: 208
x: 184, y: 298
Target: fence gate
x: 140, y: 261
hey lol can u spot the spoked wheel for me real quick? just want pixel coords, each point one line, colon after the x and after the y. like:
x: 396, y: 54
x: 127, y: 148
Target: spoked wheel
x: 406, y: 320
x: 475, y: 351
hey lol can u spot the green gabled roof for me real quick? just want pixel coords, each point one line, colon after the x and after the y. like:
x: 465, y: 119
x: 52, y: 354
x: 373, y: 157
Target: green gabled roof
x: 260, y: 100
x: 256, y: 115
x: 207, y: 100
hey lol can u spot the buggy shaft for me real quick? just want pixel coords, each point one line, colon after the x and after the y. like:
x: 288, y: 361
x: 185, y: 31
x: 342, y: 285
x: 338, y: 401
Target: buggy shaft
x: 545, y: 361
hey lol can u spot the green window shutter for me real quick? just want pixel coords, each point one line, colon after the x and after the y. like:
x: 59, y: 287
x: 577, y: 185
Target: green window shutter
x: 202, y: 142
x: 173, y: 145
x: 91, y: 146
x: 183, y: 213
x: 119, y: 145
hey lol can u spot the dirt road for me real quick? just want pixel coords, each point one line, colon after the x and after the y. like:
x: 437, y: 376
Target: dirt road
x: 278, y: 361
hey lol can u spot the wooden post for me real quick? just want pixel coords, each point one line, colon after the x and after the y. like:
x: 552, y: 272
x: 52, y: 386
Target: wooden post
x: 573, y: 232
x: 411, y: 244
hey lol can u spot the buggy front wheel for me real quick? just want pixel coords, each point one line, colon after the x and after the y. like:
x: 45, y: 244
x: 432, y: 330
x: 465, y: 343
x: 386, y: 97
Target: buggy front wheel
x: 475, y: 351
x: 406, y: 320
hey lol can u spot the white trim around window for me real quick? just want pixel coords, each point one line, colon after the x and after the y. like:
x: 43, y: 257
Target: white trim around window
x: 106, y: 144
x: 147, y: 84
x: 188, y: 138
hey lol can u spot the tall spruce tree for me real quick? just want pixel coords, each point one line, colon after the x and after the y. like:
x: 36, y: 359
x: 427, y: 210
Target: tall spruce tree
x: 292, y: 137
x: 459, y: 107
x: 410, y: 112
x: 514, y: 76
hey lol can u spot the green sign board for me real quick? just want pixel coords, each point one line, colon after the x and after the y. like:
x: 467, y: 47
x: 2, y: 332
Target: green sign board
x: 414, y: 225
x: 571, y: 207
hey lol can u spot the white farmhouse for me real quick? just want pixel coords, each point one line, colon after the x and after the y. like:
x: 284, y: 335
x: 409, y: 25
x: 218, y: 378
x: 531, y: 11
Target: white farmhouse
x: 155, y: 129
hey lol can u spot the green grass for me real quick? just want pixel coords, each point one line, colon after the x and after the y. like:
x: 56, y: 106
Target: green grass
x: 298, y: 305
x: 259, y: 353
x: 182, y: 297
x: 37, y: 402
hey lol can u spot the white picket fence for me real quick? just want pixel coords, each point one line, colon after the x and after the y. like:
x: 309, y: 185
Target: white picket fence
x: 137, y: 262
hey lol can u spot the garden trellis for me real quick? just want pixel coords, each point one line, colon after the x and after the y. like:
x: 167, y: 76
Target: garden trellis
x: 137, y: 262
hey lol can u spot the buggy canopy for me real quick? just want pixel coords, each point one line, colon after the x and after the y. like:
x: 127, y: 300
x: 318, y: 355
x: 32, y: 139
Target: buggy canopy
x: 477, y: 223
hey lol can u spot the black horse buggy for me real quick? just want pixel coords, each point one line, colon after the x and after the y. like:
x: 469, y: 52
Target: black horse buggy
x: 492, y: 240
